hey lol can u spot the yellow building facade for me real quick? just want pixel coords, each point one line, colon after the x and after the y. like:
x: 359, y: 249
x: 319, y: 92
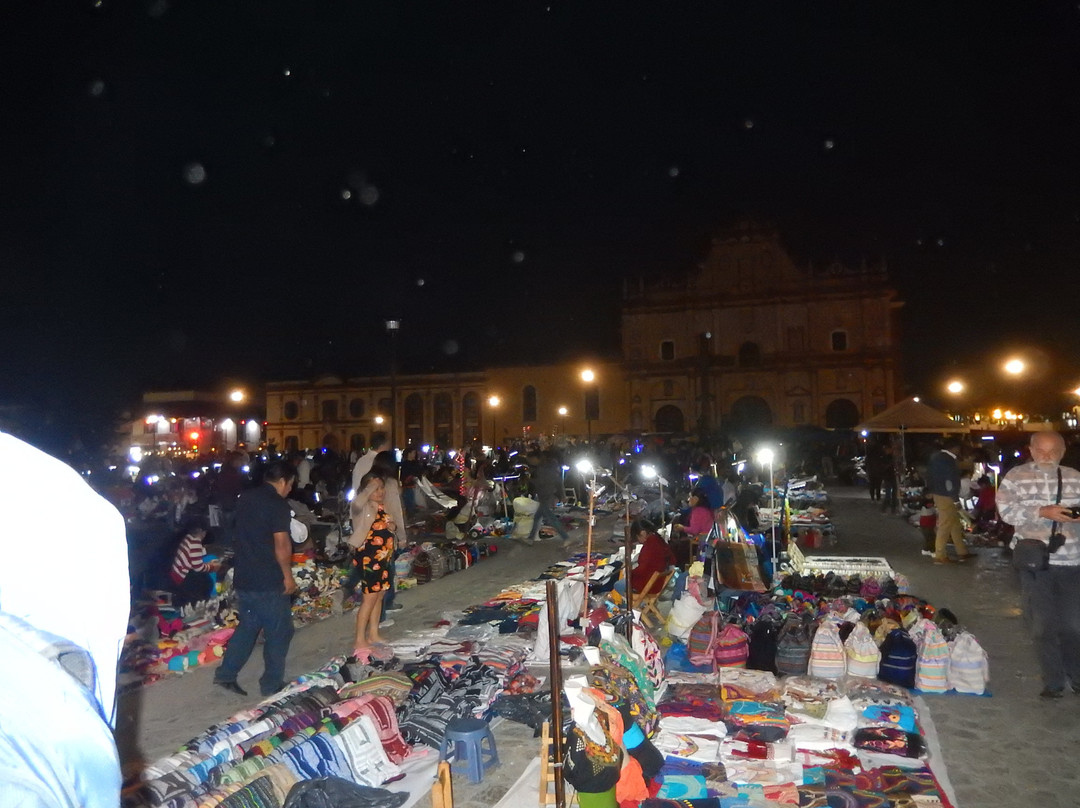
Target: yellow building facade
x: 750, y: 339
x: 450, y: 410
x: 747, y: 339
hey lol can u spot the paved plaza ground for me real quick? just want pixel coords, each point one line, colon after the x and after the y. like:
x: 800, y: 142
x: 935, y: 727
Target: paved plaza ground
x: 1007, y: 751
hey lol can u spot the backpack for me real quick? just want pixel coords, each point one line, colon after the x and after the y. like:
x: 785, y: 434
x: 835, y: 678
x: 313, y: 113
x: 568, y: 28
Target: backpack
x: 932, y: 666
x: 871, y: 589
x: 827, y: 657
x: 793, y: 647
x: 732, y: 647
x: 899, y: 658
x: 701, y: 644
x: 969, y: 670
x: 764, y: 634
x: 862, y: 652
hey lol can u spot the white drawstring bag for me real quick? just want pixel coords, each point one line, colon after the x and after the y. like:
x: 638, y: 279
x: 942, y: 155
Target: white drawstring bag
x: 969, y: 667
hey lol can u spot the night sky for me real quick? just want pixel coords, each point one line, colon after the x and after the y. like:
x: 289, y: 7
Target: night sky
x: 195, y: 191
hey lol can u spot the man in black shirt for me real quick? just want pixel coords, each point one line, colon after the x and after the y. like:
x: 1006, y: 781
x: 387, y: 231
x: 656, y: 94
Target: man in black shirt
x: 263, y: 581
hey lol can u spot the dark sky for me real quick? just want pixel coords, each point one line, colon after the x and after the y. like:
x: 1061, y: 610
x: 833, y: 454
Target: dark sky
x: 175, y: 173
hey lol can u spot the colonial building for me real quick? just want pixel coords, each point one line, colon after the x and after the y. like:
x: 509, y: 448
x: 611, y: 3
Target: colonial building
x: 751, y: 339
x: 450, y: 409
x: 747, y: 339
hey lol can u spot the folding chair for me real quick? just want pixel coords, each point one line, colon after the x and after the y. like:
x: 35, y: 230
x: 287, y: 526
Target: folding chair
x: 442, y: 793
x: 646, y: 604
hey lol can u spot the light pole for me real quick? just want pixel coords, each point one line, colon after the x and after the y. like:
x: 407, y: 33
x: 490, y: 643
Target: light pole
x: 392, y: 328
x: 561, y: 426
x: 493, y: 403
x: 586, y: 468
x: 649, y: 472
x: 589, y: 377
x: 765, y: 457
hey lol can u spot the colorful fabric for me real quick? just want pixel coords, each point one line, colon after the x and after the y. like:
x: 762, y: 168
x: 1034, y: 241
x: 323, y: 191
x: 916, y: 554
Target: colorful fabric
x: 376, y: 555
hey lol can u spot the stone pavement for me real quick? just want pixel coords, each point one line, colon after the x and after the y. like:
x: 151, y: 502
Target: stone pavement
x: 1011, y: 750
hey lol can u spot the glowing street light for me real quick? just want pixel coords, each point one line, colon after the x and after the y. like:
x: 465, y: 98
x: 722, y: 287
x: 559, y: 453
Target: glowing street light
x: 649, y: 472
x: 955, y: 387
x: 236, y: 395
x: 1015, y: 366
x: 765, y: 457
x: 493, y: 403
x: 379, y: 419
x: 591, y: 404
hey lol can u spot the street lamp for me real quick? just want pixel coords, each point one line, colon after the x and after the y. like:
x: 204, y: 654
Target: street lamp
x: 589, y: 377
x: 649, y: 472
x: 493, y: 403
x: 392, y: 328
x: 765, y: 457
x: 1015, y: 366
x: 586, y: 467
x: 236, y: 396
x: 561, y: 426
x: 955, y: 387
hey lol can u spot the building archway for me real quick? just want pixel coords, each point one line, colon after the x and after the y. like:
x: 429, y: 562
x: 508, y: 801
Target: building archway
x: 751, y: 412
x: 669, y: 418
x: 842, y: 413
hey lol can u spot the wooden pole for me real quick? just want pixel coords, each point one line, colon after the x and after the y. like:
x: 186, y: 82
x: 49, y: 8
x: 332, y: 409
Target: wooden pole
x: 555, y: 675
x: 588, y: 550
x: 628, y: 545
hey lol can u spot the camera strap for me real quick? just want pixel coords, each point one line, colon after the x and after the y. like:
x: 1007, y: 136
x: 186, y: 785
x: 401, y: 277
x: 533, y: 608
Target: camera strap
x: 1057, y: 501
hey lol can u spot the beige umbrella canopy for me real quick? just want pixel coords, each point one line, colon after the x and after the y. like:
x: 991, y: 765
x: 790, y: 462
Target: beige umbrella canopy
x: 910, y: 415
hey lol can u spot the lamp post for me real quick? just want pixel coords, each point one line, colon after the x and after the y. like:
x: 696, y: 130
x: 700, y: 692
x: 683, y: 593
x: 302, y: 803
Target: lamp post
x: 765, y: 457
x: 649, y: 472
x: 589, y: 377
x: 586, y: 467
x: 493, y: 403
x: 561, y: 426
x: 392, y: 328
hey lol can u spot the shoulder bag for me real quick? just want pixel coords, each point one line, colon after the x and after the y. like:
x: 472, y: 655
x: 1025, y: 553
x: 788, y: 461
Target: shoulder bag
x: 1033, y: 555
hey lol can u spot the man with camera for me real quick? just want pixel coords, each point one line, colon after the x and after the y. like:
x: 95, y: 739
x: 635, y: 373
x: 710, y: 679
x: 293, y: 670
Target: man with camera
x: 1041, y: 499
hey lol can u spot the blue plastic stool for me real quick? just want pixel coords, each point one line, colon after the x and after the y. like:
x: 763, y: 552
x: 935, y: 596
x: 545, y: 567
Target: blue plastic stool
x: 467, y: 736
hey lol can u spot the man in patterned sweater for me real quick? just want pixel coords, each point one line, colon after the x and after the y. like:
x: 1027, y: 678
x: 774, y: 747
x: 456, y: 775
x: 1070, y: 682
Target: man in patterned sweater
x: 1051, y: 598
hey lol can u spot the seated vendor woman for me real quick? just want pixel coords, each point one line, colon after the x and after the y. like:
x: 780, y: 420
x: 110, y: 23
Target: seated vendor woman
x: 190, y: 571
x: 695, y: 523
x: 655, y: 556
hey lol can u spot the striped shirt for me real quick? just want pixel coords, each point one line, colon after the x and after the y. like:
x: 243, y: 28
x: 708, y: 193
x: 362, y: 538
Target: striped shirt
x: 1027, y: 488
x: 189, y: 558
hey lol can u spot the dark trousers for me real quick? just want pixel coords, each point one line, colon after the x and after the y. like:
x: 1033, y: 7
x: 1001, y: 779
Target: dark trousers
x: 270, y: 613
x: 196, y: 587
x: 545, y: 513
x: 1051, y: 601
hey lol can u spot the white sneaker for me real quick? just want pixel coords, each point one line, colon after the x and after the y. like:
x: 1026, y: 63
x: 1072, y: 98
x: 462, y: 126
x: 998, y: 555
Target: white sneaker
x: 387, y: 623
x: 927, y: 552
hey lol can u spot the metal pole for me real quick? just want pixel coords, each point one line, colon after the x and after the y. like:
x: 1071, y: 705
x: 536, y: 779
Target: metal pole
x: 772, y: 507
x: 555, y: 677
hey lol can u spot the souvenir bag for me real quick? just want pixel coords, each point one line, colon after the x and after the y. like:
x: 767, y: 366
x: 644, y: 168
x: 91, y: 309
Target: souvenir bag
x: 969, y: 670
x: 862, y: 652
x: 871, y: 589
x: 884, y: 629
x: 793, y: 647
x: 732, y: 647
x: 644, y: 643
x: 932, y: 667
x: 827, y: 656
x: 702, y: 640
x: 764, y: 632
x: 737, y: 566
x: 684, y: 615
x: 899, y: 659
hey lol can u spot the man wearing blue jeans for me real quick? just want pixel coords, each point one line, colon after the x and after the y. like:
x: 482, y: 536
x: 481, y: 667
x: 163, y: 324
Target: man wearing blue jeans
x: 263, y: 581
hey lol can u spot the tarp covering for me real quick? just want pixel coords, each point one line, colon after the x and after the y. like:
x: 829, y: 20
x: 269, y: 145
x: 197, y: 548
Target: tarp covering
x: 910, y: 415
